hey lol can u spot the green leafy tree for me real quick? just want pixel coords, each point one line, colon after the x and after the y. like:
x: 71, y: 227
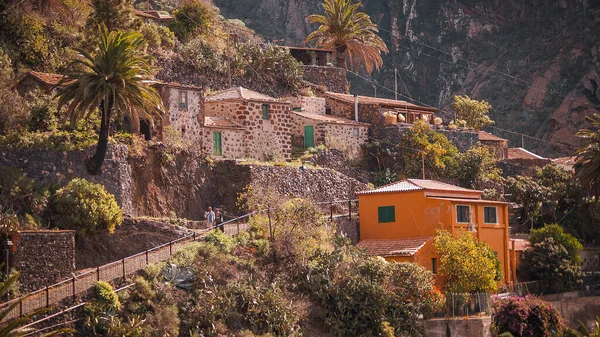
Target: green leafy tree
x: 530, y: 195
x: 114, y: 14
x: 557, y: 233
x: 111, y: 78
x: 439, y: 152
x: 474, y: 112
x: 587, y: 165
x: 193, y: 17
x: 477, y: 168
x: 350, y: 32
x: 85, y: 207
x: 466, y: 265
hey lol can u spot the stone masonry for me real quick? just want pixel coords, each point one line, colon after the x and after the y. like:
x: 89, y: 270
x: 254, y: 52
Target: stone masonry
x: 462, y: 139
x: 185, y: 112
x: 333, y: 78
x: 308, y: 104
x: 43, y: 257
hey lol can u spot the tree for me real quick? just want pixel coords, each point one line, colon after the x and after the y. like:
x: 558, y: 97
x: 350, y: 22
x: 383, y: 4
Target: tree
x: 114, y: 14
x: 477, y: 168
x: 466, y: 265
x: 530, y: 195
x: 587, y: 165
x: 474, y: 112
x: 526, y: 316
x: 191, y: 18
x: 557, y: 233
x: 350, y: 32
x: 111, y: 79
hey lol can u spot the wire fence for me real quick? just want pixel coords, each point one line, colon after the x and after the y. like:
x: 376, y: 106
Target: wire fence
x: 80, y: 283
x: 465, y: 304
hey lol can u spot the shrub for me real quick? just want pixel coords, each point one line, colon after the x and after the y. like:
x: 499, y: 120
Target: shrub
x: 526, y: 316
x: 158, y: 36
x: 85, y: 207
x: 221, y: 240
x: 191, y: 18
x: 43, y: 115
x: 164, y: 321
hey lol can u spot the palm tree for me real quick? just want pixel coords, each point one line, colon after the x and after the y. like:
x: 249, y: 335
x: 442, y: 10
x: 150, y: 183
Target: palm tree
x: 111, y: 78
x: 587, y: 164
x: 350, y: 32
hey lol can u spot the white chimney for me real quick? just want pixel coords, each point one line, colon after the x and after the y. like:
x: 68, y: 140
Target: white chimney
x: 356, y: 107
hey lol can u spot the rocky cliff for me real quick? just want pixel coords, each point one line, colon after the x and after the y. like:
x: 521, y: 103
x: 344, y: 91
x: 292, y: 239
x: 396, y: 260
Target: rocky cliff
x: 536, y: 61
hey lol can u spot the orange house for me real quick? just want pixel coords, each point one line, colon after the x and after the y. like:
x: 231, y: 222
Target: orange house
x: 398, y: 221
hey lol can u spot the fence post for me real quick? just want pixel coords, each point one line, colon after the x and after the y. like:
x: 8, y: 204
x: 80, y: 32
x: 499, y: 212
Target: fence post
x: 98, y: 272
x: 350, y: 210
x: 331, y: 211
x: 237, y: 223
x: 20, y: 308
x: 123, y: 268
x: 47, y: 296
x: 74, y: 286
x: 147, y: 257
x: 194, y: 236
x: 170, y: 248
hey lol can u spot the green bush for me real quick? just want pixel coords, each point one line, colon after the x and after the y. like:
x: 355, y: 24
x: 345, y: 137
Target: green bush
x: 191, y: 18
x: 43, y: 115
x: 105, y: 297
x: 85, y: 207
x: 158, y: 36
x: 221, y: 240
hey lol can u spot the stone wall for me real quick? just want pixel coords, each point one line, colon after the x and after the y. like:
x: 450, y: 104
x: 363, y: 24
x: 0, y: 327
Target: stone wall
x: 463, y: 140
x: 347, y: 138
x: 187, y: 122
x: 43, y: 257
x: 367, y: 113
x: 337, y: 160
x: 308, y: 104
x: 573, y: 310
x: 264, y: 139
x: 332, y: 77
x: 233, y: 142
x: 300, y: 121
x: 458, y: 327
x: 52, y: 166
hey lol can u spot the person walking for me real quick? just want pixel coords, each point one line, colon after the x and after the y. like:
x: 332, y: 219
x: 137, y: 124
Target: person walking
x: 219, y: 220
x: 210, y: 217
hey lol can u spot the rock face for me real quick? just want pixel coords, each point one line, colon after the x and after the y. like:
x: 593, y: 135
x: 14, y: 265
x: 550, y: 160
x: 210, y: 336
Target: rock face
x: 535, y: 61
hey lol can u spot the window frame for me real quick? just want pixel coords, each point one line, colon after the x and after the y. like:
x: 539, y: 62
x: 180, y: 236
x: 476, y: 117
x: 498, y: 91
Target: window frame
x: 468, y: 214
x: 355, y: 132
x: 385, y: 218
x: 495, y: 208
x: 265, y: 111
x: 182, y: 94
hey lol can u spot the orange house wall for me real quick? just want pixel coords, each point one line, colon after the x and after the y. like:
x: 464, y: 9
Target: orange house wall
x: 419, y: 216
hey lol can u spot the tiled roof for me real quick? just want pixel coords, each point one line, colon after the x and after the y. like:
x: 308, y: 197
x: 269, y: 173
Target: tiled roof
x: 490, y: 137
x: 221, y: 123
x: 521, y: 153
x: 239, y: 93
x: 143, y: 14
x: 173, y: 85
x: 47, y: 78
x: 520, y: 244
x: 565, y: 160
x: 419, y: 184
x: 393, y: 247
x: 471, y: 201
x: 374, y: 100
x: 329, y: 119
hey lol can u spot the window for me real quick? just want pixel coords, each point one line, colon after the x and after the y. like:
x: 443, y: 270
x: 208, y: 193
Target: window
x: 489, y: 215
x: 328, y: 111
x: 355, y: 132
x: 463, y: 214
x: 386, y: 214
x: 183, y: 100
x: 433, y: 265
x: 265, y: 109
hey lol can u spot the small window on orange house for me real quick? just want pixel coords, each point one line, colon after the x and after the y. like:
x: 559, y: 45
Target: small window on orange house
x: 433, y: 265
x: 490, y: 215
x: 463, y: 214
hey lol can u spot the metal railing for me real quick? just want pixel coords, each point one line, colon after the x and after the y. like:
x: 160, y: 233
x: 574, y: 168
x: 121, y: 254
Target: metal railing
x: 78, y: 284
x: 459, y: 304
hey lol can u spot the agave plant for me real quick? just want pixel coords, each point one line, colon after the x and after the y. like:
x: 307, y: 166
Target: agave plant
x: 178, y: 277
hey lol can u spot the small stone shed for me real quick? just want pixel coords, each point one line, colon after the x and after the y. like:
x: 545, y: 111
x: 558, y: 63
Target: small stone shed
x: 47, y: 83
x: 224, y: 138
x: 370, y: 108
x: 345, y: 134
x: 498, y: 145
x: 267, y: 122
x: 185, y: 113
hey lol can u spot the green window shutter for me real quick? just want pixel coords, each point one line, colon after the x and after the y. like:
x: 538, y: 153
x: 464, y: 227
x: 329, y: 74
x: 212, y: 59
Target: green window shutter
x: 386, y: 214
x: 217, y: 149
x: 265, y: 109
x: 309, y: 136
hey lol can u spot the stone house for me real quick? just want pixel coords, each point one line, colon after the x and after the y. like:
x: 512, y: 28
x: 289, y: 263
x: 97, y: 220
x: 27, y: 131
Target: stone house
x: 499, y: 146
x: 311, y: 127
x: 185, y: 114
x: 319, y: 68
x: 46, y: 83
x: 312, y: 56
x: 398, y: 221
x: 371, y: 108
x: 267, y: 124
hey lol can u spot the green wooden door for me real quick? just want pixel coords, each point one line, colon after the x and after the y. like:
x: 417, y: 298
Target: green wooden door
x: 217, y: 151
x: 309, y: 136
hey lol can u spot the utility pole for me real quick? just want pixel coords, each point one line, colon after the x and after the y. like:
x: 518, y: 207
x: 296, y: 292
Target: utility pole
x: 396, y: 84
x: 375, y: 89
x: 228, y: 60
x: 522, y: 141
x: 423, y: 163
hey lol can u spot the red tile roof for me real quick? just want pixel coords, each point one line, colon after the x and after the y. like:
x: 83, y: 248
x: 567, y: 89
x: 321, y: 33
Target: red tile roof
x: 520, y: 244
x: 393, y: 247
x: 143, y: 14
x: 329, y: 119
x: 421, y: 184
x: 565, y: 160
x: 521, y: 153
x: 221, y: 123
x: 378, y: 101
x: 486, y: 136
x: 47, y: 78
x: 239, y: 93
